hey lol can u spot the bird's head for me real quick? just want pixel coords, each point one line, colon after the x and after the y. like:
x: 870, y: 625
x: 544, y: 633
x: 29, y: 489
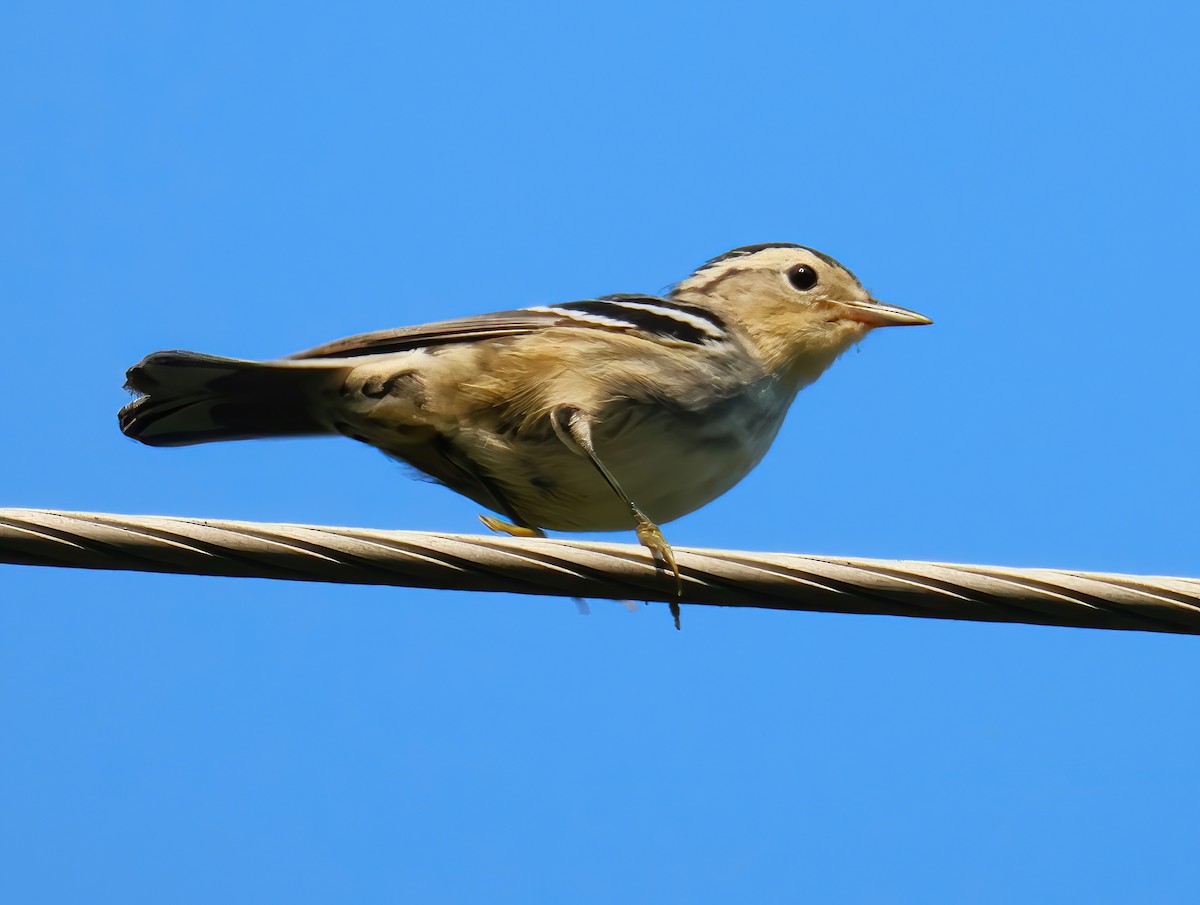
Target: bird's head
x: 799, y: 307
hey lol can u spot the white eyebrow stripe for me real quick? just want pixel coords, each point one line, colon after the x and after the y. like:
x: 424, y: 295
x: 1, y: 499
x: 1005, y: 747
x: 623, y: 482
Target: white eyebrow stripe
x: 704, y: 326
x: 581, y: 317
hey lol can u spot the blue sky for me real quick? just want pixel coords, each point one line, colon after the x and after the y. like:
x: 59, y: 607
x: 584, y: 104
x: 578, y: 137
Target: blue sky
x: 252, y: 179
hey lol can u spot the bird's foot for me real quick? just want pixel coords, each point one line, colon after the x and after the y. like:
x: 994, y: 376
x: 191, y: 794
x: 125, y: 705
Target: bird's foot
x: 651, y: 537
x: 503, y: 527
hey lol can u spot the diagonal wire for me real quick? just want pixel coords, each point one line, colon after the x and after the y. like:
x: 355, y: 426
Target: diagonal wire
x: 782, y: 581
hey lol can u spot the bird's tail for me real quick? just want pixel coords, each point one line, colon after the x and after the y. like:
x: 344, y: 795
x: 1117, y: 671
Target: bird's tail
x: 188, y: 397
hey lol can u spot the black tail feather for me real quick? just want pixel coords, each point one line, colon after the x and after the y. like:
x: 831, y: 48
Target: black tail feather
x: 189, y: 398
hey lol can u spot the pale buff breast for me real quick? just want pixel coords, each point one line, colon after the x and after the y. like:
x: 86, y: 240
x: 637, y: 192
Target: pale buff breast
x: 669, y: 461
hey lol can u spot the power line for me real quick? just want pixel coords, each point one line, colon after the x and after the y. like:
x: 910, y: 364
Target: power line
x: 572, y: 568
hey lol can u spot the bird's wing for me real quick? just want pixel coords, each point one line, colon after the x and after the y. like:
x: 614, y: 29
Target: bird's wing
x: 462, y: 330
x: 654, y: 318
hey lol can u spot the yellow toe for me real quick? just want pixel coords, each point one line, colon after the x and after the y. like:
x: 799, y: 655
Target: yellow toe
x: 652, y: 538
x: 503, y: 527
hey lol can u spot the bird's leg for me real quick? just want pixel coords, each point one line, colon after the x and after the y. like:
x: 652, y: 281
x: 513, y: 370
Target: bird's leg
x: 574, y: 429
x: 516, y: 527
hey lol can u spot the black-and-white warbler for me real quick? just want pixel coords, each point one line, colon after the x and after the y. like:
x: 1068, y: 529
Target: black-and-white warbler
x: 597, y: 415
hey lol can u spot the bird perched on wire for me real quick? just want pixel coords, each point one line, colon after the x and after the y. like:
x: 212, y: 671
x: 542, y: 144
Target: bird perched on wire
x: 597, y: 415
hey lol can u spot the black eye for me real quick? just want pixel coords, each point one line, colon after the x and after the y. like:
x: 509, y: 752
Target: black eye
x: 802, y: 277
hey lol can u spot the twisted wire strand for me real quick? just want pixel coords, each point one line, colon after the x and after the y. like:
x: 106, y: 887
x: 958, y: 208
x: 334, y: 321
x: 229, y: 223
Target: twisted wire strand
x: 571, y: 568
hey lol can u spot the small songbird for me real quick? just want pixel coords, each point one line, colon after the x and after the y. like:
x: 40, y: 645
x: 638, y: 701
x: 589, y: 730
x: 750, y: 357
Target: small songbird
x: 598, y: 415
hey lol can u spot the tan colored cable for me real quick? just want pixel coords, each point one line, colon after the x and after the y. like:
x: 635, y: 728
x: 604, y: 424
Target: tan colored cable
x: 576, y: 569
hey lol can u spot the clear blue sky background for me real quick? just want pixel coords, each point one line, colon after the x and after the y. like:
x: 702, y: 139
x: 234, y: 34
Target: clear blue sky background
x: 251, y: 179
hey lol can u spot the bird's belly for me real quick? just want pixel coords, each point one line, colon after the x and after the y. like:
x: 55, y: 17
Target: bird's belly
x: 668, y: 463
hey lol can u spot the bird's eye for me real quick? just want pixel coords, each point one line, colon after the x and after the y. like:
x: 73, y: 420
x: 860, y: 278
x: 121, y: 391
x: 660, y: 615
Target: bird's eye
x: 802, y: 277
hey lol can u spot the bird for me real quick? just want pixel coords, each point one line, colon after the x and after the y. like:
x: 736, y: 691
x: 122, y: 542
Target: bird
x: 604, y: 414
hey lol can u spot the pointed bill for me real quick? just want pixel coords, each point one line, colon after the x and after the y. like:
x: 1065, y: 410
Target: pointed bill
x: 880, y: 314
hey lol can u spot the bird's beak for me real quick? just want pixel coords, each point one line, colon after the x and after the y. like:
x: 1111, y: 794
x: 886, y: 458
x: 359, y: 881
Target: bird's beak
x: 875, y: 313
